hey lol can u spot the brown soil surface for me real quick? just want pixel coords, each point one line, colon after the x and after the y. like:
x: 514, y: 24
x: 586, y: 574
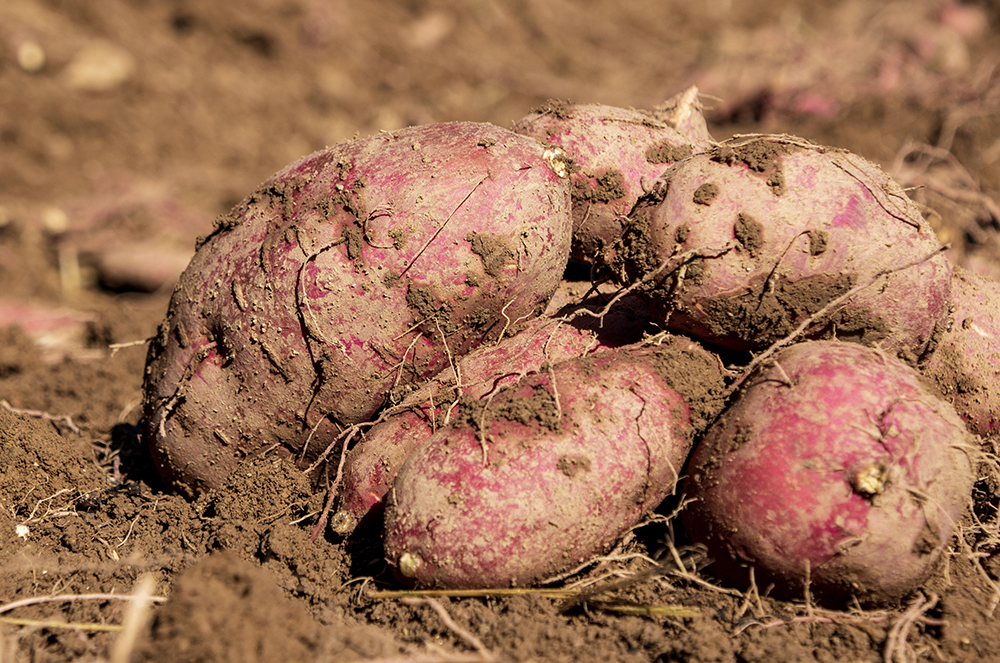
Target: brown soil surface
x: 126, y: 126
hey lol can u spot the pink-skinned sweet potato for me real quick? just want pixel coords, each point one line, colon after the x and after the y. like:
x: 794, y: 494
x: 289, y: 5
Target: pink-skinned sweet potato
x: 372, y: 465
x: 835, y: 466
x: 966, y: 365
x: 351, y: 271
x: 609, y: 153
x: 740, y: 245
x: 551, y: 471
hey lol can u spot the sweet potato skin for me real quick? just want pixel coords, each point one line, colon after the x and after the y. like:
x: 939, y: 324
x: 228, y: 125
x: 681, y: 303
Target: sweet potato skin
x: 352, y: 270
x: 610, y: 153
x: 965, y: 366
x: 835, y: 466
x: 741, y: 244
x: 551, y: 473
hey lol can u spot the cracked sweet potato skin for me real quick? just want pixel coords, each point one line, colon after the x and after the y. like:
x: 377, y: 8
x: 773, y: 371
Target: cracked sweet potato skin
x: 553, y: 473
x: 741, y: 244
x: 966, y: 365
x: 351, y: 271
x: 835, y: 465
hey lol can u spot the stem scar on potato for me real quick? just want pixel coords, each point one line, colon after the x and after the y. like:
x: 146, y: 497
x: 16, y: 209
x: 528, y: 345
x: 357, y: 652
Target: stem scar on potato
x: 409, y: 563
x: 870, y: 481
x: 342, y: 523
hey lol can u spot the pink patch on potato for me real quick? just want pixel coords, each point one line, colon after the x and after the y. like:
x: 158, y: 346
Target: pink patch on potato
x: 834, y: 466
x: 853, y: 216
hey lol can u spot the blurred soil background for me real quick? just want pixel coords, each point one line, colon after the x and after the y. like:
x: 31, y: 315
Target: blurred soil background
x: 127, y: 126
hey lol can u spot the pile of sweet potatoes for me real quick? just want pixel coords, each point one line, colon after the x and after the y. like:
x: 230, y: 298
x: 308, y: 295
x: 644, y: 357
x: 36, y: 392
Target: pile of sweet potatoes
x: 786, y: 344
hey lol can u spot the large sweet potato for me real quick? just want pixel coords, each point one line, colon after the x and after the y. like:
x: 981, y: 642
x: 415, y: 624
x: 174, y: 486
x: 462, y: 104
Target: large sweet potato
x: 835, y: 471
x: 966, y: 365
x: 350, y: 272
x: 609, y: 154
x: 741, y: 245
x: 550, y: 471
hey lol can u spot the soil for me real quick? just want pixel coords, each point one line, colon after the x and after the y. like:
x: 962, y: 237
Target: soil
x: 126, y: 126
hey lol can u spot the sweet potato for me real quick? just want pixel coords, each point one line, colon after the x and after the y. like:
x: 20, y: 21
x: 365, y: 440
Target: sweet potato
x: 741, y: 245
x: 550, y: 471
x: 835, y: 471
x: 372, y: 465
x: 966, y: 365
x: 609, y: 152
x: 354, y: 270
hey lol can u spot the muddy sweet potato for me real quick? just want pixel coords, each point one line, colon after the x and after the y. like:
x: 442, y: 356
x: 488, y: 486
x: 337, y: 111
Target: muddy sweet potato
x: 835, y: 467
x: 740, y: 245
x: 372, y: 465
x: 609, y: 153
x: 966, y: 365
x: 352, y: 271
x: 551, y: 471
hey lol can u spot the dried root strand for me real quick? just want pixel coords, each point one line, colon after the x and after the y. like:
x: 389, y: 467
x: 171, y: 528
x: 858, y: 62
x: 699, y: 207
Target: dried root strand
x: 466, y: 636
x: 65, y: 420
x: 897, y: 647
